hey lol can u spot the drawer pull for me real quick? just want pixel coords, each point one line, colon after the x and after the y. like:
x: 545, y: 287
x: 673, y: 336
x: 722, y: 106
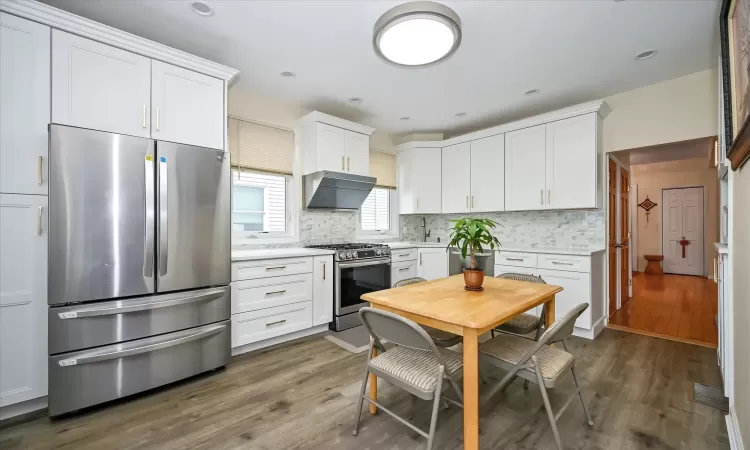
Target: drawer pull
x: 276, y: 268
x: 276, y: 292
x: 404, y: 254
x: 514, y: 259
x: 562, y: 263
x: 403, y: 268
x: 278, y: 322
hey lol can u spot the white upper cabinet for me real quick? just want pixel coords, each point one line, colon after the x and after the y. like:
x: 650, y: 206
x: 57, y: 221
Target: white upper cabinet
x: 23, y: 297
x: 456, y: 178
x: 99, y: 87
x: 426, y: 167
x: 186, y: 107
x: 24, y: 109
x: 524, y: 169
x: 571, y: 171
x: 338, y: 145
x: 357, y: 153
x: 406, y: 198
x: 488, y: 174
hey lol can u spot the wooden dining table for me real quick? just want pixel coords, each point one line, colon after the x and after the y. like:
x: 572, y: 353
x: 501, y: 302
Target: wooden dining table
x: 445, y: 304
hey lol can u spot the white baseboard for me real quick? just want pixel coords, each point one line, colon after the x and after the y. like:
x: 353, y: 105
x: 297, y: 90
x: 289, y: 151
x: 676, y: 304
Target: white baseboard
x: 279, y: 340
x: 592, y: 333
x: 733, y: 430
x: 7, y: 412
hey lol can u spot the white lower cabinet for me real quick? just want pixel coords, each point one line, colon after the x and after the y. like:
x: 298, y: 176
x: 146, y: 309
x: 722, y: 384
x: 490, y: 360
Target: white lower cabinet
x: 322, y: 290
x: 500, y: 269
x: 432, y: 263
x: 576, y: 290
x: 403, y: 270
x: 23, y: 298
x: 276, y: 298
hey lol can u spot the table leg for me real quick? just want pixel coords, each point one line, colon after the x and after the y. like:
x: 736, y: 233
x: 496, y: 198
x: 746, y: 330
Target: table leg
x: 549, y: 312
x: 471, y: 389
x: 374, y: 385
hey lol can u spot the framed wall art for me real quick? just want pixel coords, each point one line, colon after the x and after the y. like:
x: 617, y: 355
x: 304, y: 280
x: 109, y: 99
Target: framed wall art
x: 735, y: 71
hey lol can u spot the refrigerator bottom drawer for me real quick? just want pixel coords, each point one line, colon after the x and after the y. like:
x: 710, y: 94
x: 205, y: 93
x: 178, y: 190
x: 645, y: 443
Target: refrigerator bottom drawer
x: 85, y: 378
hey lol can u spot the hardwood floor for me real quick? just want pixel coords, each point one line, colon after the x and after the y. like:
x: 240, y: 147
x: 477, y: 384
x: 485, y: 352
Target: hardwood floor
x: 302, y: 396
x: 675, y: 307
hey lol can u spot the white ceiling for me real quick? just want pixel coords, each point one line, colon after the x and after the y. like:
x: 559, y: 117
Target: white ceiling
x: 574, y: 51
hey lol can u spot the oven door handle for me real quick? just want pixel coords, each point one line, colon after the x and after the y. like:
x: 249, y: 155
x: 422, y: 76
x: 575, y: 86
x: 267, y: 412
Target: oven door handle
x: 377, y: 262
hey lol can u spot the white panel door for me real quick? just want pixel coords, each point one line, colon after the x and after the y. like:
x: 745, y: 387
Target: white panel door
x: 432, y: 263
x: 99, y: 87
x: 23, y: 298
x: 24, y: 109
x: 331, y: 148
x: 322, y: 289
x: 576, y: 289
x: 682, y: 218
x: 571, y: 163
x: 456, y: 178
x: 488, y: 174
x: 524, y: 169
x: 426, y: 180
x: 357, y: 153
x: 186, y: 107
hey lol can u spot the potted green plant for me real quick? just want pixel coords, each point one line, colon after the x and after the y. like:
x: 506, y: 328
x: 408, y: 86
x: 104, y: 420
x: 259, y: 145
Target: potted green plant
x: 471, y: 236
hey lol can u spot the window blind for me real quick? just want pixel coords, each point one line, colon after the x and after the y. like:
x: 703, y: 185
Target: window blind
x: 375, y: 214
x: 260, y: 147
x: 383, y: 167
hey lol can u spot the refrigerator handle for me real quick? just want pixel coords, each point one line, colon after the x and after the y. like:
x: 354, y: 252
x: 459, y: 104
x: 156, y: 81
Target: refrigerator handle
x: 163, y: 217
x: 148, y: 249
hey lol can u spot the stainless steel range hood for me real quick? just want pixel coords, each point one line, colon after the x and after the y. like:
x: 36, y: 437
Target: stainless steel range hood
x: 336, y: 190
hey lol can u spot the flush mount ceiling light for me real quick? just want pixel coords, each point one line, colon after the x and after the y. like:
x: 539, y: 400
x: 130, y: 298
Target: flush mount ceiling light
x: 288, y: 74
x: 355, y: 100
x: 645, y: 55
x: 531, y: 92
x: 202, y: 9
x: 417, y: 34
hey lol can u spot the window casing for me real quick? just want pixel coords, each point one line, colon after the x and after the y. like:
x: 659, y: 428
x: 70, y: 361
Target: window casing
x: 261, y: 205
x: 378, y: 215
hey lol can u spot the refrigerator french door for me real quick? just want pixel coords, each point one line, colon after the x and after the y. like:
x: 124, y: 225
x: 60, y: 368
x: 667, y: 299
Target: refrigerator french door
x: 139, y: 264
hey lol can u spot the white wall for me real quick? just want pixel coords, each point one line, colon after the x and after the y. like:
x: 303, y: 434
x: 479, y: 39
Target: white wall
x: 675, y: 110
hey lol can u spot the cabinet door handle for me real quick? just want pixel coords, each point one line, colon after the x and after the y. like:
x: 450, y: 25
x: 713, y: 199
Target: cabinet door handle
x: 39, y: 221
x: 276, y: 323
x: 143, y: 117
x: 275, y: 268
x: 420, y: 259
x: 472, y: 201
x: 417, y: 203
x: 157, y: 119
x: 324, y: 271
x: 562, y: 263
x: 541, y: 196
x: 40, y: 175
x: 276, y: 292
x: 403, y: 254
x: 549, y: 196
x: 514, y: 259
x: 342, y: 163
x: 348, y: 169
x: 467, y: 201
x: 403, y: 268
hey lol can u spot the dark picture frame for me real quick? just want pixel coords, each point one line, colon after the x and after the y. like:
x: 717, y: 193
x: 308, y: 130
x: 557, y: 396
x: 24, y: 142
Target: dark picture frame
x: 738, y: 146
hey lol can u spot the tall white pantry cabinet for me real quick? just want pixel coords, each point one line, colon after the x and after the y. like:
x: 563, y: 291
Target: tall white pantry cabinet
x: 56, y: 67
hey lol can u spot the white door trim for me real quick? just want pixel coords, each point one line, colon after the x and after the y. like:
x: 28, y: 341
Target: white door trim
x: 618, y: 222
x: 703, y: 221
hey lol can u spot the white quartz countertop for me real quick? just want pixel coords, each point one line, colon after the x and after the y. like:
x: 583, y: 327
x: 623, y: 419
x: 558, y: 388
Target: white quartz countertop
x: 272, y: 253
x: 403, y: 245
x: 554, y: 250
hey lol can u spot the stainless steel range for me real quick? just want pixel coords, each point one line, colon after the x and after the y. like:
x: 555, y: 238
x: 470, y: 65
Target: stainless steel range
x: 357, y: 270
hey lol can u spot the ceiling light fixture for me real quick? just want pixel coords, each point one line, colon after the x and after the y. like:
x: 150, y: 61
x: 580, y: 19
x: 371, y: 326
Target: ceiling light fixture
x: 531, y: 92
x: 288, y: 75
x: 355, y: 100
x: 202, y: 9
x: 406, y: 118
x: 645, y: 55
x: 417, y: 34
x: 461, y: 114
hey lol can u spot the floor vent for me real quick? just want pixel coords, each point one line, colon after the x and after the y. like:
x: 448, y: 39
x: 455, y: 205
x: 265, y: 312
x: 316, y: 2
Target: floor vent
x: 710, y: 396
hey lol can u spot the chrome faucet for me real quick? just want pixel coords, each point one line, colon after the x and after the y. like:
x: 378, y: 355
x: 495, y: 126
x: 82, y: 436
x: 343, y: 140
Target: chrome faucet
x: 425, y: 233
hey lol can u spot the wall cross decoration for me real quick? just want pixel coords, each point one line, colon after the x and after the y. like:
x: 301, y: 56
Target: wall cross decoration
x: 648, y: 205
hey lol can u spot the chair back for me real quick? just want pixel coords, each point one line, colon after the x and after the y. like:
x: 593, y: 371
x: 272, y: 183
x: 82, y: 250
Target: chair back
x: 394, y: 328
x: 521, y: 277
x: 408, y: 281
x: 563, y: 328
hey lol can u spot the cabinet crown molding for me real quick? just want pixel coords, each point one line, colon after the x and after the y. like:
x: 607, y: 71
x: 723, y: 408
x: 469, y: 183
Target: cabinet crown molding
x: 597, y: 106
x: 62, y: 20
x: 317, y: 116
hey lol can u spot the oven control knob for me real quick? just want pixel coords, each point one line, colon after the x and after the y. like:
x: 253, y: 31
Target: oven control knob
x: 342, y: 255
x: 349, y: 255
x: 378, y: 252
x: 354, y: 254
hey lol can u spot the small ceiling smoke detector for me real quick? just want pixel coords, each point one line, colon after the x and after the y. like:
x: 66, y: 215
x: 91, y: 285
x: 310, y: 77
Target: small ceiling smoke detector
x: 645, y: 55
x: 288, y: 74
x: 355, y: 100
x: 531, y: 92
x: 406, y: 118
x: 202, y: 9
x: 461, y: 114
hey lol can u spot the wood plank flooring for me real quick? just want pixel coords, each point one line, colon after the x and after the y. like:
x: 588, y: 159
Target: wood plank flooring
x: 675, y: 307
x: 302, y: 396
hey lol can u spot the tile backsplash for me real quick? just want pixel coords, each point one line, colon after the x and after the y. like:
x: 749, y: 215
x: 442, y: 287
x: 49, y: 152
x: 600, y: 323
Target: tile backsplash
x: 563, y: 229
x: 320, y: 227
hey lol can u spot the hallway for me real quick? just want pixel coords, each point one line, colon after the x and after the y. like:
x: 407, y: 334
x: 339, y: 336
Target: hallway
x: 676, y: 307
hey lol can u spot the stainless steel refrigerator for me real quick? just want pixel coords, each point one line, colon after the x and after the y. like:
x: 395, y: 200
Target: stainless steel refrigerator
x: 139, y: 264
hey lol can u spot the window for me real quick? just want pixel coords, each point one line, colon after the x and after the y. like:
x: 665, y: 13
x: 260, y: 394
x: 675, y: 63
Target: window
x: 260, y: 203
x: 375, y: 212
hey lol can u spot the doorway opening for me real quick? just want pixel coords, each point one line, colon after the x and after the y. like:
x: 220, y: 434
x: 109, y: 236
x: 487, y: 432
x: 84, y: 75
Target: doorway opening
x: 661, y: 241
